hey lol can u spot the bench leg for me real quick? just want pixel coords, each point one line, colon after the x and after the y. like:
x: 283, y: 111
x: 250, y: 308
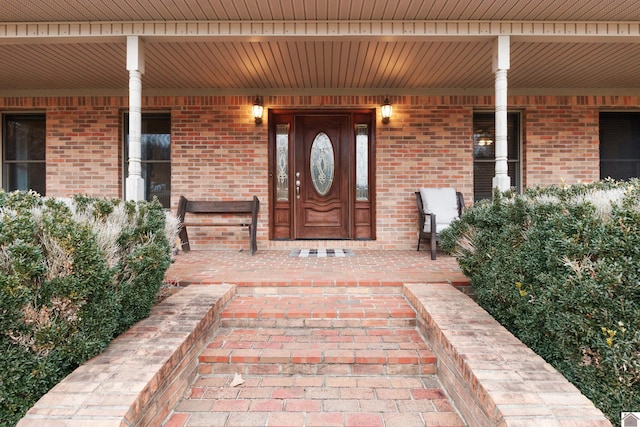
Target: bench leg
x: 433, y: 245
x: 252, y: 238
x: 184, y: 239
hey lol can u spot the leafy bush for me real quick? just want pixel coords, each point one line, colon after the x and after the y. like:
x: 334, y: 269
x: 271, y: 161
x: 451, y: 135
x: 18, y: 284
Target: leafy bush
x: 73, y: 275
x: 560, y: 268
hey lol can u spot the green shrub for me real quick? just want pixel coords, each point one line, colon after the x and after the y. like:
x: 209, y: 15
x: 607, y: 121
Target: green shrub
x: 73, y: 275
x: 560, y: 268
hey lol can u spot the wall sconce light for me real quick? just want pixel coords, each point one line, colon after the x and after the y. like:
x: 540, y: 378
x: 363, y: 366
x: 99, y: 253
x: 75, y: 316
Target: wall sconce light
x: 257, y: 110
x: 386, y: 111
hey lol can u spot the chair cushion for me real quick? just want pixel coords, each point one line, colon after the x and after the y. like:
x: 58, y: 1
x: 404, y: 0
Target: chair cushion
x: 442, y: 202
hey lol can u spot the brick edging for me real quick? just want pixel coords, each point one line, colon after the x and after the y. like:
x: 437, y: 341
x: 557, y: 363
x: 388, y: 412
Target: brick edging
x: 492, y: 377
x: 142, y: 374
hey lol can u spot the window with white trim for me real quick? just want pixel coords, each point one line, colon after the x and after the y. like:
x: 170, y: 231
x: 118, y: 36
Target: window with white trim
x: 619, y: 145
x: 24, y: 152
x: 484, y: 153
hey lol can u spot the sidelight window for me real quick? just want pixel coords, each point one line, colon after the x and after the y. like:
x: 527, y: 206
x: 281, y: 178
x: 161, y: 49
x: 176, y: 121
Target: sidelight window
x: 282, y: 162
x: 362, y: 162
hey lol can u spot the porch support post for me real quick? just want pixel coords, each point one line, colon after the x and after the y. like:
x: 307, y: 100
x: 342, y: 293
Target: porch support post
x: 501, y: 64
x: 135, y: 66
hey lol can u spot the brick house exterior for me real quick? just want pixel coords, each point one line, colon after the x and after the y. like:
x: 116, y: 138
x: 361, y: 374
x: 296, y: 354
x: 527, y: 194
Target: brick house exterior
x: 203, y: 67
x: 217, y: 149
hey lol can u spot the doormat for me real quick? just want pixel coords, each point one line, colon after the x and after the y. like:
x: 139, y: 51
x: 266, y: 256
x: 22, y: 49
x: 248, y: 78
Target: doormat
x: 321, y: 253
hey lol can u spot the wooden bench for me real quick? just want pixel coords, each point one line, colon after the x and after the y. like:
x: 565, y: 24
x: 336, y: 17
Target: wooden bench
x: 247, y: 207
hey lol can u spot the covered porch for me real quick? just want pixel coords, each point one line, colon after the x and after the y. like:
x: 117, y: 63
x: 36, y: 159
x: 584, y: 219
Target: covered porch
x: 99, y: 78
x: 483, y: 95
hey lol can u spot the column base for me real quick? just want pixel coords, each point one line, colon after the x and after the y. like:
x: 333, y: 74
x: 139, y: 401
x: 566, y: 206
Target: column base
x: 502, y: 182
x: 135, y: 188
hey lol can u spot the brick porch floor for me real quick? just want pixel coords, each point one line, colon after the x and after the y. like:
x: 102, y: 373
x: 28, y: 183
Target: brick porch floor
x: 277, y: 268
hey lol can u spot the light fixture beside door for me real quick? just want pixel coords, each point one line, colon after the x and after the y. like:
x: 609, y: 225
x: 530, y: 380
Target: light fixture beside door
x: 386, y: 110
x: 257, y: 110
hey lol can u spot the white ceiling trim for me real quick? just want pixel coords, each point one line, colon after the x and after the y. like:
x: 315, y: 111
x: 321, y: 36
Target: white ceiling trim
x: 292, y: 10
x: 122, y: 92
x: 259, y: 30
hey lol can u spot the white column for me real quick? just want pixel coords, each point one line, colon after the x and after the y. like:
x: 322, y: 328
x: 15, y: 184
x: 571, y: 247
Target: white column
x: 501, y: 64
x: 135, y: 66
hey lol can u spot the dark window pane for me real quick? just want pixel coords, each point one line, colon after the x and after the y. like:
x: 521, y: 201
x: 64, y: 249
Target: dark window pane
x: 155, y: 123
x: 619, y: 169
x: 513, y: 136
x: 483, y: 173
x: 25, y: 137
x: 24, y: 152
x: 157, y: 178
x: 26, y: 176
x: 156, y: 146
x: 619, y: 145
x: 484, y: 136
x: 513, y: 170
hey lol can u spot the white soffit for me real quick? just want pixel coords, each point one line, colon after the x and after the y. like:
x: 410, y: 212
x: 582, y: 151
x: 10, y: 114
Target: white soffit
x: 328, y: 46
x: 293, y: 10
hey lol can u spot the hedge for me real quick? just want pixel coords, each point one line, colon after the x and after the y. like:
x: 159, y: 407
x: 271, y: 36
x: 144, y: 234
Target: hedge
x: 560, y: 268
x: 74, y: 274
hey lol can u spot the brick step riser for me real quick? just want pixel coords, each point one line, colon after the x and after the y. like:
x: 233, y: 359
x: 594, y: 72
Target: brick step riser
x: 318, y: 323
x: 316, y: 369
x: 313, y: 358
x: 295, y: 290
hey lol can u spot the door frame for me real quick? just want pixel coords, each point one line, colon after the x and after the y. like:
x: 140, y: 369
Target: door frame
x: 282, y: 213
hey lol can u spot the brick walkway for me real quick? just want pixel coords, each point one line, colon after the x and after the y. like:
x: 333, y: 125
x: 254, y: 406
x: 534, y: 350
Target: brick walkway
x: 277, y: 268
x: 340, y: 357
x: 317, y: 342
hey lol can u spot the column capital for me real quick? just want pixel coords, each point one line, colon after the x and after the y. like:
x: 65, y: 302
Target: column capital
x: 501, y: 53
x: 135, y: 54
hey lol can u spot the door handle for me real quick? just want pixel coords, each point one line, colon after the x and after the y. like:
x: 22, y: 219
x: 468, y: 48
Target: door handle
x: 297, y: 185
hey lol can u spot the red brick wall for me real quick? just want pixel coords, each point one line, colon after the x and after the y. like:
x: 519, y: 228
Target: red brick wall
x: 83, y: 142
x: 83, y: 151
x: 219, y: 153
x: 561, y: 144
x: 424, y: 145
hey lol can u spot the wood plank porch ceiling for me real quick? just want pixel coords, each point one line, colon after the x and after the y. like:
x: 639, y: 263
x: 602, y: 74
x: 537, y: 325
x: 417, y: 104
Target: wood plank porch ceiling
x: 384, y: 64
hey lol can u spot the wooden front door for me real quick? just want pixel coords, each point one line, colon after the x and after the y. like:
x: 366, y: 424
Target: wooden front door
x: 321, y: 169
x: 322, y: 177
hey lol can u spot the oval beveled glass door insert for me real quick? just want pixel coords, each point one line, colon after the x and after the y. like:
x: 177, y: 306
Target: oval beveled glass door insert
x: 322, y: 163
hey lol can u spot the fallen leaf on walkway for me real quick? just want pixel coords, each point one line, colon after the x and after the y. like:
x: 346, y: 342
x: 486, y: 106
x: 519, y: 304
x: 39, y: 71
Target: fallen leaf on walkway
x: 237, y: 380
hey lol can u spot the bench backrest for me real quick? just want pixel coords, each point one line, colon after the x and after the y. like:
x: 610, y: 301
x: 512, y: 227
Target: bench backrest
x: 221, y: 207
x: 199, y: 206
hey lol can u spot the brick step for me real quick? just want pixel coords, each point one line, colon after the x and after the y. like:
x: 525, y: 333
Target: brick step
x: 407, y: 401
x: 319, y: 311
x: 317, y: 362
x: 354, y: 351
x: 291, y: 288
x: 321, y: 286
x: 262, y: 322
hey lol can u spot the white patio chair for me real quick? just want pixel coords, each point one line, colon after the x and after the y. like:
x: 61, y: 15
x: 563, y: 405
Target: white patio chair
x: 437, y: 208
